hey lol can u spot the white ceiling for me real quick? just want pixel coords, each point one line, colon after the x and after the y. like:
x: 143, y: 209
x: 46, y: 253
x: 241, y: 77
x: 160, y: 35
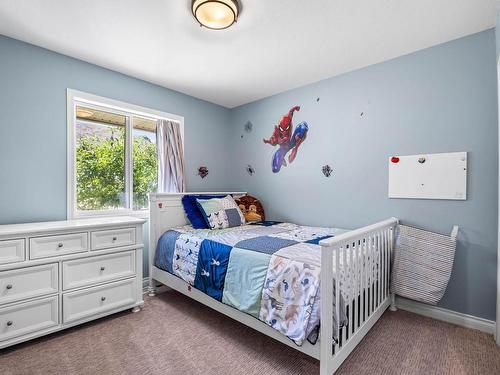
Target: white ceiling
x: 275, y: 46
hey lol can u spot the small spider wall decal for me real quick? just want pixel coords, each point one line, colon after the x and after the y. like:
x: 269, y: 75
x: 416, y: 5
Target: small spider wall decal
x: 202, y: 172
x: 327, y: 170
x: 248, y: 126
x: 250, y: 170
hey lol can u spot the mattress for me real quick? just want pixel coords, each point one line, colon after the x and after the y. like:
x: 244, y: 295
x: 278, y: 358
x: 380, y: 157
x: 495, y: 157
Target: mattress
x: 268, y: 270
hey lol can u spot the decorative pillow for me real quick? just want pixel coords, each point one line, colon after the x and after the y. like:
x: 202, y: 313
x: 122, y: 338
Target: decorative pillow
x: 251, y: 207
x: 220, y: 213
x: 193, y: 212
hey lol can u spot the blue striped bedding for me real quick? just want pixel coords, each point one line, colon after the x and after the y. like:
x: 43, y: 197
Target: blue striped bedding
x: 268, y: 270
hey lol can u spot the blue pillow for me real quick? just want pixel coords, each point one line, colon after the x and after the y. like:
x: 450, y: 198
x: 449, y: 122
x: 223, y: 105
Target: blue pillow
x: 193, y: 212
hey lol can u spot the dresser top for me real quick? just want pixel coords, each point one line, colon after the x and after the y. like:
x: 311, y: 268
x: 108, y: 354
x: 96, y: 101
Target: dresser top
x: 79, y: 224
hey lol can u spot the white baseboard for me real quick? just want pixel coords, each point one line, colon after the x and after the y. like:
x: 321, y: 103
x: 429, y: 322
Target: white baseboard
x: 445, y: 315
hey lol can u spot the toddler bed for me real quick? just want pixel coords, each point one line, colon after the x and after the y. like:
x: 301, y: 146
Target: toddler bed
x: 267, y: 276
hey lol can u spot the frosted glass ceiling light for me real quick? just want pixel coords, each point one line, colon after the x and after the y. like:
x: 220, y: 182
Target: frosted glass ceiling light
x: 215, y: 14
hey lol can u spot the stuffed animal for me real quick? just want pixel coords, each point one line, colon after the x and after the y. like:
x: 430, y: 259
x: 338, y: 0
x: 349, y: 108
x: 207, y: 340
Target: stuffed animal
x: 251, y: 208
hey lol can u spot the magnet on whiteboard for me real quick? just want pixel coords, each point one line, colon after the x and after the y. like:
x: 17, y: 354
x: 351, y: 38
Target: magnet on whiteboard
x: 421, y: 160
x: 395, y: 159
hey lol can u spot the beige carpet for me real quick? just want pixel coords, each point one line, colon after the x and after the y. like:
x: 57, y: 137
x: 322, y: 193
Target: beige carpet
x: 175, y: 335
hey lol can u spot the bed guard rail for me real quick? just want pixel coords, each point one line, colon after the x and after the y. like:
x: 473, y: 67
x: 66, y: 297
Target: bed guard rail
x: 355, y: 276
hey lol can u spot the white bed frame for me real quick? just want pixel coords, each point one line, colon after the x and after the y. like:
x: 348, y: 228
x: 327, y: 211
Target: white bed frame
x: 166, y: 212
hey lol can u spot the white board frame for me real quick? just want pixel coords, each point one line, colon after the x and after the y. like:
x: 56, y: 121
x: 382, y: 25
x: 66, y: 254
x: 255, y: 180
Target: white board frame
x: 437, y: 176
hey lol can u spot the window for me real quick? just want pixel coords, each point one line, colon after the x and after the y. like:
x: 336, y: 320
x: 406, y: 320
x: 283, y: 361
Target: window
x: 112, y: 155
x: 100, y: 160
x: 145, y: 166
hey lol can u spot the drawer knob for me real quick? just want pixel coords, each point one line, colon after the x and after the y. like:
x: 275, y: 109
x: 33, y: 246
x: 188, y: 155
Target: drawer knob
x: 103, y: 299
x: 9, y: 286
x: 9, y: 323
x: 103, y: 268
x: 60, y: 244
x: 114, y: 238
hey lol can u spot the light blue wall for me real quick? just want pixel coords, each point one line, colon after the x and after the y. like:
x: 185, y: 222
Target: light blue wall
x: 33, y: 83
x: 437, y: 100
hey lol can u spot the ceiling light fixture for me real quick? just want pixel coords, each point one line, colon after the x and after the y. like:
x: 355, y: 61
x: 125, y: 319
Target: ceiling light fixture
x: 215, y: 14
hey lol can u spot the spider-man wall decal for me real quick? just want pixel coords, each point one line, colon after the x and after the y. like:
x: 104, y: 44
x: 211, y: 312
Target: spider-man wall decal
x: 283, y: 137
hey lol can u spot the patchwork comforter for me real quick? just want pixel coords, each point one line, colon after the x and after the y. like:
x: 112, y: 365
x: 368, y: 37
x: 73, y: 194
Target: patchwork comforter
x: 268, y: 270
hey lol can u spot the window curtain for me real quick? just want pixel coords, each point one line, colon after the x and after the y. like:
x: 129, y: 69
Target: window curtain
x: 171, y: 177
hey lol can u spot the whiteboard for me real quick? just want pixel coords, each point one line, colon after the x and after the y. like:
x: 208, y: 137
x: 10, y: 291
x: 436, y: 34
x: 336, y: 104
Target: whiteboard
x: 428, y: 176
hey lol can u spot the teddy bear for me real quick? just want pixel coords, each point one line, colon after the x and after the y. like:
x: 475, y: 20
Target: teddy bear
x: 251, y: 208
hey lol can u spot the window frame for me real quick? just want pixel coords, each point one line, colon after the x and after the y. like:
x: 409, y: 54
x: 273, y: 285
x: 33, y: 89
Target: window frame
x: 75, y: 98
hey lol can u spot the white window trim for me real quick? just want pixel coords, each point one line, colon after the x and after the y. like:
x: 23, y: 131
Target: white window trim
x: 116, y: 106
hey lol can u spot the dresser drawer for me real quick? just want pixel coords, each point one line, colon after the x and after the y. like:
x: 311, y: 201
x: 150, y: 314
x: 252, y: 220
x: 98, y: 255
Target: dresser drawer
x: 24, y: 318
x: 12, y: 251
x: 50, y: 246
x: 88, y: 271
x: 105, y: 239
x: 92, y: 301
x: 28, y: 282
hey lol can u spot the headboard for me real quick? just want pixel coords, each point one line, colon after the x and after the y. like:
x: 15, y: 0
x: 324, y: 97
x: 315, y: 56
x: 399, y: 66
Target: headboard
x: 166, y: 212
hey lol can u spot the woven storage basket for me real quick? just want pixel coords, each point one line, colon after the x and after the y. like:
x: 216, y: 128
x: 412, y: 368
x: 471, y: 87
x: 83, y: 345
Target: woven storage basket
x: 422, y: 265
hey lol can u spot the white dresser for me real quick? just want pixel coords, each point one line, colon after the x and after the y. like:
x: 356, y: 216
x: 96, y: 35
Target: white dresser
x: 55, y: 275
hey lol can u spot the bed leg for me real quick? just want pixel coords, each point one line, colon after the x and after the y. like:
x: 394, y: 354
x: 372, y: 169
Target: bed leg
x: 152, y: 288
x: 393, y: 303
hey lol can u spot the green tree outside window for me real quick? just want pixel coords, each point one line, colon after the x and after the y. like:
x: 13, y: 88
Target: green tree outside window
x: 100, y: 170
